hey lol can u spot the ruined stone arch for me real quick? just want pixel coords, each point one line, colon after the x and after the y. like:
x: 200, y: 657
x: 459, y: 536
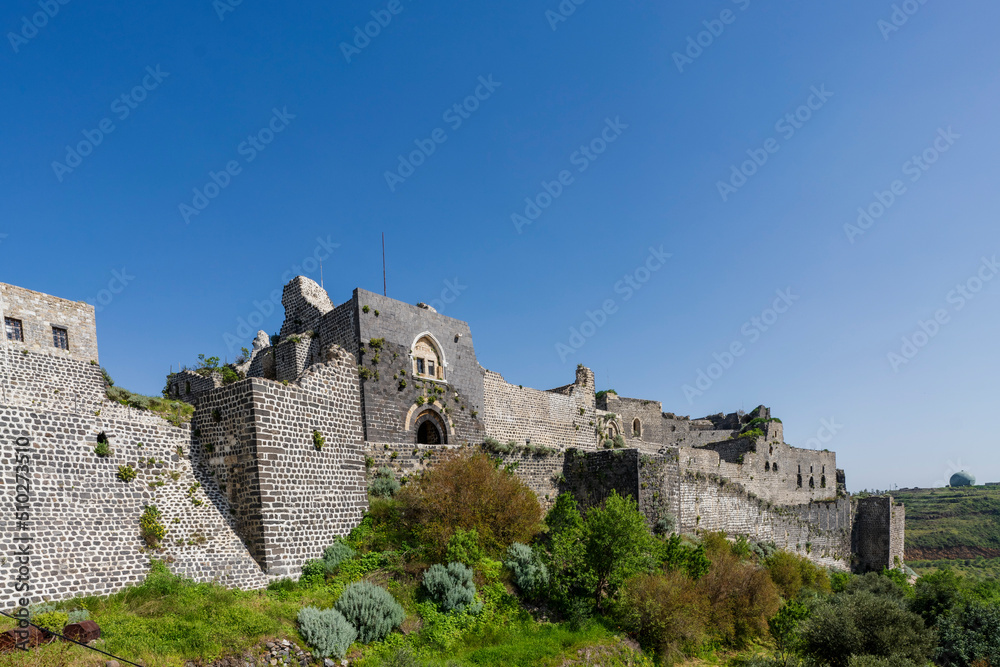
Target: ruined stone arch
x: 429, y: 428
x: 636, y: 428
x: 413, y: 415
x: 427, y: 357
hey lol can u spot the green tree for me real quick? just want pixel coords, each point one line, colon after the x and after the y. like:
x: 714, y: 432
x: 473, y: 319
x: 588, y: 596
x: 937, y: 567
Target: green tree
x: 785, y: 624
x: 619, y: 544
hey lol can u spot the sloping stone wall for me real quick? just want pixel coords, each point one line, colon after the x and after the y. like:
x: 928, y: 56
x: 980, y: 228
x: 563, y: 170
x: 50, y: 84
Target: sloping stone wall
x: 43, y: 381
x: 84, y: 521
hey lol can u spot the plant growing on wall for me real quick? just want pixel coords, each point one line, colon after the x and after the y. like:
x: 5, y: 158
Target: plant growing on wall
x: 318, y: 440
x: 150, y: 528
x: 126, y: 473
x: 103, y: 448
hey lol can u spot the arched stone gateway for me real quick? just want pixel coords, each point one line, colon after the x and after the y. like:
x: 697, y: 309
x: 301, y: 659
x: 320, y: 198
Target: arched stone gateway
x: 430, y: 429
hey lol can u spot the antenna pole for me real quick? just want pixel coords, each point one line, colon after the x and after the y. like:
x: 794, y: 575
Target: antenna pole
x: 384, y: 293
x: 321, y: 274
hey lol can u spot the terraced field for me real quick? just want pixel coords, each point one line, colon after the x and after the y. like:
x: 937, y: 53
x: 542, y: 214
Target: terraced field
x: 957, y: 526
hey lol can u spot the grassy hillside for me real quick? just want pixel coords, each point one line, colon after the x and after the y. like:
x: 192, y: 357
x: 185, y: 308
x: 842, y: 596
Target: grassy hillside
x: 958, y: 527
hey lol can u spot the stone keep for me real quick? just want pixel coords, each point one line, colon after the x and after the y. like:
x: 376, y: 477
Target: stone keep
x: 272, y: 467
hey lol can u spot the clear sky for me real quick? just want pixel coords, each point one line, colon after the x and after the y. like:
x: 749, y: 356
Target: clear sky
x: 626, y: 126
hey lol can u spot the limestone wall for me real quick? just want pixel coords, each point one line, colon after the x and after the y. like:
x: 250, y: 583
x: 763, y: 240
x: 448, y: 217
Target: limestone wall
x: 39, y: 312
x: 878, y: 536
x: 547, y: 418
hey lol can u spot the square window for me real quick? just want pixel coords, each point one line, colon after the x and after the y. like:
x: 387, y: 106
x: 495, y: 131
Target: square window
x: 430, y: 368
x: 14, y: 329
x: 60, y: 338
x: 420, y: 366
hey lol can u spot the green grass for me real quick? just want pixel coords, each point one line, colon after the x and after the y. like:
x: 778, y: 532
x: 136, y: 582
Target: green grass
x: 952, y: 517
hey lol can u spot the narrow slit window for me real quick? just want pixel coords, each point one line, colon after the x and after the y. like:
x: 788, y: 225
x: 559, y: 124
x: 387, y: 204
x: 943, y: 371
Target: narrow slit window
x: 60, y: 338
x: 15, y: 330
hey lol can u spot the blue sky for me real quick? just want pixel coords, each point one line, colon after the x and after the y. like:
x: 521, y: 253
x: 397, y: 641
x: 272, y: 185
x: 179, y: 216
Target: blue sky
x: 597, y: 98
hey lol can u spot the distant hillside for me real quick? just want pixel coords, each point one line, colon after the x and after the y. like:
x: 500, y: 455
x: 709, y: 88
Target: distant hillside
x: 951, y: 523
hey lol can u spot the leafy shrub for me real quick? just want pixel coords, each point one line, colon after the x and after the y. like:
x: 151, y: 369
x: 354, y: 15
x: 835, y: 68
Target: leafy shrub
x: 879, y: 661
x: 619, y: 544
x: 139, y: 401
x: 466, y: 491
x: 335, y: 554
x: 785, y: 624
x: 126, y: 473
x: 51, y: 620
x: 150, y: 528
x: 675, y: 555
x: 665, y: 611
x: 741, y: 598
x: 384, y: 484
x: 794, y: 573
x: 313, y: 572
x: 107, y: 377
x: 118, y: 394
x: 936, y: 595
x: 530, y: 574
x: 102, y: 448
x: 372, y: 610
x: 451, y: 587
x: 78, y: 615
x: 464, y: 547
x: 665, y: 525
x: 327, y: 631
x: 318, y: 441
x: 863, y: 623
x: 970, y: 636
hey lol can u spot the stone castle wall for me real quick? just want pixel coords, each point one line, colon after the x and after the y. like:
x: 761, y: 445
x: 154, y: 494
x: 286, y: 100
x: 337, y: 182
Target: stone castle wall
x: 877, y: 540
x: 84, y: 521
x: 256, y: 439
x: 43, y: 381
x: 546, y: 418
x: 39, y: 312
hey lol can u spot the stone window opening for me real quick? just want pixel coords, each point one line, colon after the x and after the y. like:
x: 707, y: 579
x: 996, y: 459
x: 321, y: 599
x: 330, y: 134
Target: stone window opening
x: 799, y: 481
x: 15, y: 329
x: 187, y: 386
x: 767, y: 466
x: 812, y: 484
x: 775, y: 467
x: 822, y: 481
x: 427, y: 359
x: 770, y: 450
x: 60, y: 338
x: 637, y: 428
x: 102, y: 438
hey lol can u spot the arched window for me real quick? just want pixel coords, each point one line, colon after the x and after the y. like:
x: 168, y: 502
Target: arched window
x: 822, y: 482
x: 427, y: 360
x: 775, y: 467
x: 430, y: 429
x: 812, y: 484
x: 799, y: 481
x: 636, y: 428
x: 767, y: 466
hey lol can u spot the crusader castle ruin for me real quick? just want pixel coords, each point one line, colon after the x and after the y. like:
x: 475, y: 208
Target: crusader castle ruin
x: 275, y: 465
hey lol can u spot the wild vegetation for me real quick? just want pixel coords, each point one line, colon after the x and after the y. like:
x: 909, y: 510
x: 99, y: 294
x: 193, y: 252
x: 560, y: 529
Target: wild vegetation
x: 460, y: 566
